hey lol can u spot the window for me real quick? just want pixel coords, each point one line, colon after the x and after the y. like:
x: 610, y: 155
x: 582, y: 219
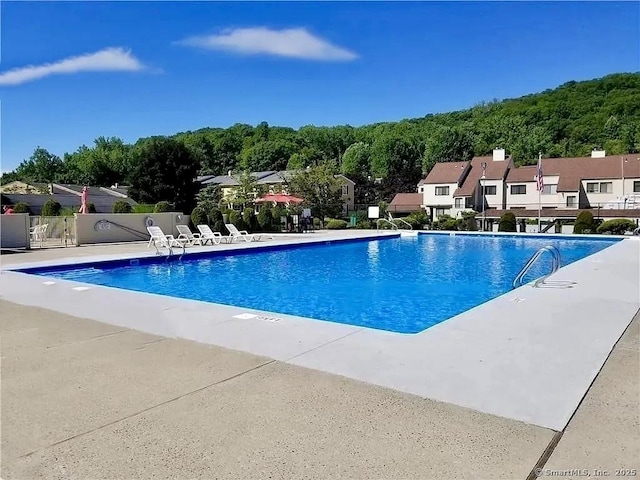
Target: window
x: 490, y: 190
x: 636, y: 187
x: 549, y: 189
x: 459, y: 202
x: 345, y: 189
x: 572, y: 201
x: 440, y: 211
x: 602, y: 187
x: 421, y: 189
x: 442, y: 190
x: 518, y: 189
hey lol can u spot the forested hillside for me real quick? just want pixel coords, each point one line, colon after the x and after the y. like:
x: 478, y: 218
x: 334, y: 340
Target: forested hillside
x: 567, y: 121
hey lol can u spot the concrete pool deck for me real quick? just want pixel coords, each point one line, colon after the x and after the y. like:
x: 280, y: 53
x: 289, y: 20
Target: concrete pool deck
x: 82, y: 399
x: 488, y: 358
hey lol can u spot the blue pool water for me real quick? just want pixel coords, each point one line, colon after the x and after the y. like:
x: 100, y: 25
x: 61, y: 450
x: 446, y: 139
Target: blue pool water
x: 402, y: 285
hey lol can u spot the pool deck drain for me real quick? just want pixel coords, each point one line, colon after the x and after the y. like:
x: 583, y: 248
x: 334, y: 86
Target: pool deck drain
x: 486, y: 359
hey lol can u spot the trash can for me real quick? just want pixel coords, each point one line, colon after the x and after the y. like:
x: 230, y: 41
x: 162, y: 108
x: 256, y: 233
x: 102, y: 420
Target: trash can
x: 353, y: 220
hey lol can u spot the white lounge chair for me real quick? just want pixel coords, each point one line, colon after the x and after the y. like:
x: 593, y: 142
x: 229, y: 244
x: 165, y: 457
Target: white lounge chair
x: 38, y: 233
x: 234, y: 233
x: 206, y: 235
x: 185, y: 234
x: 158, y: 238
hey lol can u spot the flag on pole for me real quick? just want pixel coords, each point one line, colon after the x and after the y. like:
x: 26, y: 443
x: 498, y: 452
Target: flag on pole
x: 540, y: 180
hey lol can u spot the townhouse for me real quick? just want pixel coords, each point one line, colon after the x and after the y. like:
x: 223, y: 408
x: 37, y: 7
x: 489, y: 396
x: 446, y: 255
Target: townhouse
x: 478, y: 184
x: 607, y: 184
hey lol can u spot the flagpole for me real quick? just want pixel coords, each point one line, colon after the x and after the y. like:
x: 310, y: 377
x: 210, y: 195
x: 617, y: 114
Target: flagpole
x: 538, y: 186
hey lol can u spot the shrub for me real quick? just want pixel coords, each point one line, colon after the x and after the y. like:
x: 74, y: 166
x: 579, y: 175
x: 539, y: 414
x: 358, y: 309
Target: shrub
x: 235, y: 219
x: 198, y: 217
x: 584, y: 223
x: 216, y: 221
x: 445, y: 222
x: 21, y: 207
x: 121, y: 207
x: 249, y: 219
x: 163, y: 206
x: 51, y: 208
x: 317, y: 223
x: 91, y: 207
x: 334, y: 224
x: 265, y: 219
x: 418, y: 220
x: 507, y: 222
x: 364, y: 225
x: 617, y: 226
x: 468, y: 222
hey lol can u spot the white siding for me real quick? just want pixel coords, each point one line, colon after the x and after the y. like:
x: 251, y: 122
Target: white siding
x: 430, y: 199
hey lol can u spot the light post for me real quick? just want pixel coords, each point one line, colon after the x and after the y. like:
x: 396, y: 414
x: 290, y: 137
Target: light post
x: 484, y: 210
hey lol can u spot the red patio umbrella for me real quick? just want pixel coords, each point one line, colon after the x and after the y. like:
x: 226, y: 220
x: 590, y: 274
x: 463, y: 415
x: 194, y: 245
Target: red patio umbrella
x: 279, y: 198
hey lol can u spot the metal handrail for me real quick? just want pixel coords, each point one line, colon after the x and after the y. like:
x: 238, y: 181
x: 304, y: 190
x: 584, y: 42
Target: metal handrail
x: 393, y: 225
x: 555, y: 265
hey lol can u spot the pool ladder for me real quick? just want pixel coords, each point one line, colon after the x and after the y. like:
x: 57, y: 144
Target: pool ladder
x: 555, y: 265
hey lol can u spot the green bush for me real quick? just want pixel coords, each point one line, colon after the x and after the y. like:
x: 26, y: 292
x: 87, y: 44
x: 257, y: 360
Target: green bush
x: 317, y: 223
x: 418, y: 220
x: 507, y: 222
x: 265, y: 219
x: 249, y: 219
x: 364, y: 225
x: 143, y: 208
x: 198, y: 217
x: 162, y: 207
x: 121, y: 207
x: 335, y: 224
x: 468, y: 222
x: 91, y: 207
x: 51, y: 208
x: 234, y: 218
x: 21, y: 207
x: 216, y: 221
x: 584, y: 223
x: 445, y: 222
x: 617, y: 226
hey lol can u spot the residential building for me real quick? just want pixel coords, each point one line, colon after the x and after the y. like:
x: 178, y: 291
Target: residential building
x: 276, y: 182
x: 452, y: 187
x: 598, y: 181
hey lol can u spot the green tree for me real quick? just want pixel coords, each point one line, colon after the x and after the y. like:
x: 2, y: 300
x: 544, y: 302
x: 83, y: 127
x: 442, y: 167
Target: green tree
x: 42, y: 166
x: 247, y: 190
x: 356, y: 160
x: 165, y: 170
x: 319, y: 188
x: 209, y: 197
x: 447, y: 144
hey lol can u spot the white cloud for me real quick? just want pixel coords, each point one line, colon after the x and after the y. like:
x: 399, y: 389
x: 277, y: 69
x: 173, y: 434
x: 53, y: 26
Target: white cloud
x: 106, y: 60
x: 292, y: 43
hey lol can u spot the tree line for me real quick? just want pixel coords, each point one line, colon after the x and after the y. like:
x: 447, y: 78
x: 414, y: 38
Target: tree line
x: 389, y: 157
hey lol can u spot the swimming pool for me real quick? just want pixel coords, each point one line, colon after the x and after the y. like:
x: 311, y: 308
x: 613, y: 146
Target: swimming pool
x: 399, y: 284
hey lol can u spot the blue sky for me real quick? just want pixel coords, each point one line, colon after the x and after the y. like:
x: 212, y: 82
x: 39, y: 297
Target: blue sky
x: 183, y: 66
